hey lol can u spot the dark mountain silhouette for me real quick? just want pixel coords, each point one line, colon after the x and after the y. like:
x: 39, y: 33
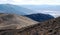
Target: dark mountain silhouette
x: 14, y: 9
x: 40, y: 17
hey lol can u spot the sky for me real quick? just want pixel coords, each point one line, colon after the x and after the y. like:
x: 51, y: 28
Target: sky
x: 31, y: 2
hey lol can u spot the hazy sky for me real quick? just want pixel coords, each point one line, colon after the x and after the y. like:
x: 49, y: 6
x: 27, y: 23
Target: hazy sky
x: 33, y: 2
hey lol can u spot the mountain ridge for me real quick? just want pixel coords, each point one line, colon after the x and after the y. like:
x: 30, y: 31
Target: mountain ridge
x: 40, y: 17
x: 12, y: 21
x: 14, y: 9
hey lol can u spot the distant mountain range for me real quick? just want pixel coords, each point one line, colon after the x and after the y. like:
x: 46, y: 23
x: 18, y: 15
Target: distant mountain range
x: 14, y: 9
x: 29, y: 9
x: 43, y: 7
x: 40, y: 17
x: 46, y: 9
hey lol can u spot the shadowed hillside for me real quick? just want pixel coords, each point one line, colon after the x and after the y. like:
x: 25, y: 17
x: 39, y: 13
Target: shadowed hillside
x: 50, y: 27
x: 40, y: 17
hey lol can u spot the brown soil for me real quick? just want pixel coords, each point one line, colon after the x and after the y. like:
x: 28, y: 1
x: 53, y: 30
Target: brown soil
x: 50, y: 27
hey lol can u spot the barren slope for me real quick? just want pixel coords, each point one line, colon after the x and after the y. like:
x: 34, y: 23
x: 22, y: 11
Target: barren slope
x: 9, y: 21
x: 50, y: 27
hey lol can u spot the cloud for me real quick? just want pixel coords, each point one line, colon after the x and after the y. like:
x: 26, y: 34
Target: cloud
x: 37, y: 2
x: 2, y: 1
x: 34, y: 2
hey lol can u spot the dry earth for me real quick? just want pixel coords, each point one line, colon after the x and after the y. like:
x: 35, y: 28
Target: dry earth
x: 49, y: 27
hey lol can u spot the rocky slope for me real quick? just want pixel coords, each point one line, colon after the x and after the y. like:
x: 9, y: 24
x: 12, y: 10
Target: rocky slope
x: 11, y: 21
x: 50, y: 27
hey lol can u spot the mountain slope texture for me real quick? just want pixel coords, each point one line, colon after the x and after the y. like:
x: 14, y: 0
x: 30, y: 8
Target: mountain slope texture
x: 50, y: 27
x: 11, y: 21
